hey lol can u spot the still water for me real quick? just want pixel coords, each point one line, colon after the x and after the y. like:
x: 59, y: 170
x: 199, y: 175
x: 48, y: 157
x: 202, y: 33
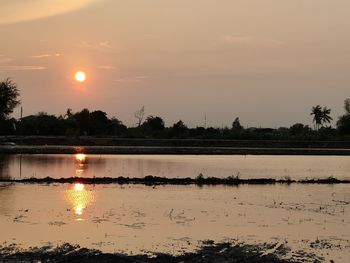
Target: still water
x: 174, y: 219
x: 172, y: 166
x: 147, y: 219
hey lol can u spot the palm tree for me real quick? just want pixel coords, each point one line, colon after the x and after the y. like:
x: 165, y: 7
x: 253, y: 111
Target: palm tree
x: 318, y: 116
x: 326, y: 118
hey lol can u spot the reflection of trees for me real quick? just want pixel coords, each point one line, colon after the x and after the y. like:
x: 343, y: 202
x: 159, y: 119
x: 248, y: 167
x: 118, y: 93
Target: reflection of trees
x: 4, y: 164
x: 54, y: 165
x: 44, y: 160
x: 6, y: 190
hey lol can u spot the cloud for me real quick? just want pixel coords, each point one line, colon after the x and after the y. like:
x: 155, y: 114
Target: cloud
x: 143, y: 77
x: 133, y: 79
x: 20, y: 68
x: 103, y: 46
x: 14, y: 11
x: 46, y: 55
x: 250, y: 41
x: 106, y: 67
x: 4, y: 59
x: 128, y: 80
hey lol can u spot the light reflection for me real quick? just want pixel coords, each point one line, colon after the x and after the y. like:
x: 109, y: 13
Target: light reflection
x: 78, y: 187
x: 81, y: 164
x: 80, y: 157
x: 79, y: 198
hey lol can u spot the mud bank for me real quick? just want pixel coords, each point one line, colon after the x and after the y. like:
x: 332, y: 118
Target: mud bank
x: 177, y: 150
x: 155, y: 180
x: 210, y: 252
x: 113, y: 141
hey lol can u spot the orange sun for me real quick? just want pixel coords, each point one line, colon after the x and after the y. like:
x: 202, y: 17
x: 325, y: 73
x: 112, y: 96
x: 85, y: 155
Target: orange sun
x: 80, y: 76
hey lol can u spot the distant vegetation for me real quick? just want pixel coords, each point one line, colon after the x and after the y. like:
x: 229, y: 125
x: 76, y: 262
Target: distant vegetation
x: 96, y: 123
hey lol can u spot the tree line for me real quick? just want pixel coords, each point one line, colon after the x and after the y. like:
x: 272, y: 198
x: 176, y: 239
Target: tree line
x: 97, y: 123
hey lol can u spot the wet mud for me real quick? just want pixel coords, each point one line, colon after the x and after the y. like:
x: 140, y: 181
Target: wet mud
x: 209, y: 252
x: 155, y: 180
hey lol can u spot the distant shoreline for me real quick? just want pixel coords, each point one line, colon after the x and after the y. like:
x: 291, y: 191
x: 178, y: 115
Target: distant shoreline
x: 152, y: 150
x: 93, y: 145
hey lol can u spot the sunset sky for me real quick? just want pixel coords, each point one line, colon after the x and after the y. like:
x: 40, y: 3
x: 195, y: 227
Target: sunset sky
x: 266, y: 61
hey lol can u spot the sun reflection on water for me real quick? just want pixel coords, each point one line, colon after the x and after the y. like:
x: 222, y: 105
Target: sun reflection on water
x: 79, y: 187
x: 81, y: 164
x: 79, y: 198
x: 80, y: 157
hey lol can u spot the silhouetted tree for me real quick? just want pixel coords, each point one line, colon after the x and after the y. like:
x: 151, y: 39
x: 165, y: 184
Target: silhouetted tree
x: 347, y: 106
x: 236, y: 125
x: 139, y: 115
x: 318, y: 116
x: 179, y: 126
x: 326, y: 118
x: 117, y: 126
x: 178, y: 129
x: 42, y: 124
x: 9, y: 94
x: 69, y: 114
x: 343, y: 124
x: 299, y: 129
x: 98, y: 123
x: 154, y: 123
x: 82, y: 119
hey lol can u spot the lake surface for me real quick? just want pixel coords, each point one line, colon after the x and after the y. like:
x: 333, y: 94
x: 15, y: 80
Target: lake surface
x: 172, y: 166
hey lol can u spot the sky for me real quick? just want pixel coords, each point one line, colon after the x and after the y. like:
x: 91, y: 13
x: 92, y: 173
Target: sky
x: 264, y: 61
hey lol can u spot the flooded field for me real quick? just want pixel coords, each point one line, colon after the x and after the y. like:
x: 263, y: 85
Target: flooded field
x: 173, y: 166
x: 174, y: 219
x: 311, y: 221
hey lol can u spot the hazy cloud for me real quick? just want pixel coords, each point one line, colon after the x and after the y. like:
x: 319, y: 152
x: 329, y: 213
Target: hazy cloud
x: 143, y: 77
x: 5, y: 59
x: 106, y: 67
x: 46, y: 55
x: 250, y: 41
x: 133, y: 79
x: 20, y: 68
x: 103, y: 46
x: 13, y: 11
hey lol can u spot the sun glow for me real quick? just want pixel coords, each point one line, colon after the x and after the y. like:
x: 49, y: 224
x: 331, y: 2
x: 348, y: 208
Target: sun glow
x: 80, y: 76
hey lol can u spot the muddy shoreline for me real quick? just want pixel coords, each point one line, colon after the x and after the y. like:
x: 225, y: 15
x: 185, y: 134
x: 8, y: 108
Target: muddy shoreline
x: 165, y: 150
x: 155, y: 180
x: 113, y: 141
x: 112, y: 145
x: 209, y: 252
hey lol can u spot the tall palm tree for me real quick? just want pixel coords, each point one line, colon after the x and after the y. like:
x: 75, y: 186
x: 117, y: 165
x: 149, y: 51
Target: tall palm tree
x: 318, y: 116
x: 326, y: 118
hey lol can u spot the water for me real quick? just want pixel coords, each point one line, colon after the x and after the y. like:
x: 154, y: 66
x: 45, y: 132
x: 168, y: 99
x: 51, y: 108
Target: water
x: 145, y: 219
x: 173, y: 219
x: 172, y: 166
